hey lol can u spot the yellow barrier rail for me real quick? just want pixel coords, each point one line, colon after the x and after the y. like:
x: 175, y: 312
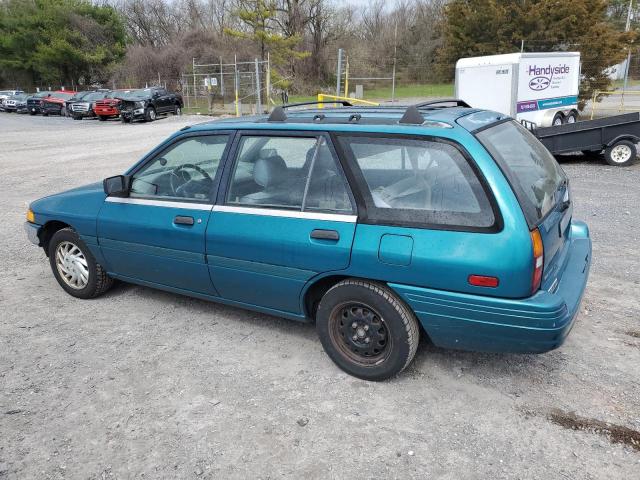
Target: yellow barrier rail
x: 323, y: 97
x: 618, y: 108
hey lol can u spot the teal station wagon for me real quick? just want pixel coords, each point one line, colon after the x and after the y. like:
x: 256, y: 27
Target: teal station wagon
x: 368, y: 221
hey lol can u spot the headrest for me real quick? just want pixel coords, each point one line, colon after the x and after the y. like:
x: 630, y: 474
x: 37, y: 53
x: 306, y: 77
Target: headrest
x: 269, y: 171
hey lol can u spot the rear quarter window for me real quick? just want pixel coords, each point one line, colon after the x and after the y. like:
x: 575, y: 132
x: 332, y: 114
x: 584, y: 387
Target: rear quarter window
x: 533, y: 173
x: 418, y: 182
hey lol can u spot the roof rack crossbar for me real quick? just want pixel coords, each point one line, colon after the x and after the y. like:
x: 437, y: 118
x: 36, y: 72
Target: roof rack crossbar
x: 344, y: 103
x: 442, y: 103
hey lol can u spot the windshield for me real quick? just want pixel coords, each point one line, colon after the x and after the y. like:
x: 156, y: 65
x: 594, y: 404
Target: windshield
x: 135, y: 94
x: 41, y: 94
x: 20, y: 96
x: 63, y: 96
x: 532, y: 171
x: 94, y: 96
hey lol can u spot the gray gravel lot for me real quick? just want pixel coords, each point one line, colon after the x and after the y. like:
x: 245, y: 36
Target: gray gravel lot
x: 145, y: 384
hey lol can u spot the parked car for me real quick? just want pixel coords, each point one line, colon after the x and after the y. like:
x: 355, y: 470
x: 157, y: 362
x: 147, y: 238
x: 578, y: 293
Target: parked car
x: 369, y: 221
x: 15, y: 103
x: 108, y: 107
x: 147, y: 103
x: 54, y: 104
x: 34, y: 102
x: 84, y: 107
x: 77, y: 97
x: 4, y: 94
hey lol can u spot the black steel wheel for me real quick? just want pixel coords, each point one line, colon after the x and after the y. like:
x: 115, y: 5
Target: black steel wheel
x: 366, y: 329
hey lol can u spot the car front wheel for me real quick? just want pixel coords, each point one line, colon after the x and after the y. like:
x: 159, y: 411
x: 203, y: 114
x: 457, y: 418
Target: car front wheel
x: 150, y: 114
x: 366, y: 329
x: 75, y: 268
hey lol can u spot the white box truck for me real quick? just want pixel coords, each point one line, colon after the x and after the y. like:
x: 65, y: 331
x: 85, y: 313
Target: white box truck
x: 538, y: 87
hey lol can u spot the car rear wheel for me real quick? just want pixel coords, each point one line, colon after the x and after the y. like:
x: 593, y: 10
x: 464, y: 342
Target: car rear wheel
x: 75, y: 268
x: 366, y: 329
x: 150, y: 114
x: 621, y: 154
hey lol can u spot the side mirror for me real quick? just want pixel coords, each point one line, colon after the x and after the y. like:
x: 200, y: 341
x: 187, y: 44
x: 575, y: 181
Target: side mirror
x: 117, y: 186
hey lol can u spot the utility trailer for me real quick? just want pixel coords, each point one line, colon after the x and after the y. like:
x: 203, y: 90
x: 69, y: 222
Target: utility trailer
x: 616, y: 135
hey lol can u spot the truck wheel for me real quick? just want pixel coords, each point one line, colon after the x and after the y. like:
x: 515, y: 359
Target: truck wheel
x: 150, y: 114
x: 572, y: 117
x: 558, y: 119
x: 75, y: 268
x: 77, y: 117
x: 125, y: 119
x: 366, y: 329
x: 621, y: 154
x: 102, y: 118
x: 177, y: 110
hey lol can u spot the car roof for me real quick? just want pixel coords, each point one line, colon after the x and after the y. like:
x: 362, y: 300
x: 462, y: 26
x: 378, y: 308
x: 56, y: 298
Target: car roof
x: 436, y: 120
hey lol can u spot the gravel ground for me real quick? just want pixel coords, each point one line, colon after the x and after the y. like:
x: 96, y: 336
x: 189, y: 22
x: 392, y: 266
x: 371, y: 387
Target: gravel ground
x: 141, y: 383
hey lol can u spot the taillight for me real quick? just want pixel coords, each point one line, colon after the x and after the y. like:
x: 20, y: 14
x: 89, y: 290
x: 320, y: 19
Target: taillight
x: 538, y: 259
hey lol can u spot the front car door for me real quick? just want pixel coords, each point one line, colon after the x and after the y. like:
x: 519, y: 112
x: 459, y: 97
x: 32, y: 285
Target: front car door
x: 157, y: 234
x: 286, y: 216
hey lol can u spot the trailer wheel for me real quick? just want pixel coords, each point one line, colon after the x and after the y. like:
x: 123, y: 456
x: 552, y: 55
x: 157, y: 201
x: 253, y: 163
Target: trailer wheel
x: 572, y: 117
x: 558, y: 119
x: 621, y: 154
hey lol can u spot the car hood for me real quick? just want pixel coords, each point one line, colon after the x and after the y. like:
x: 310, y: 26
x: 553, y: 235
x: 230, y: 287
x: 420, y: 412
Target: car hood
x: 77, y: 207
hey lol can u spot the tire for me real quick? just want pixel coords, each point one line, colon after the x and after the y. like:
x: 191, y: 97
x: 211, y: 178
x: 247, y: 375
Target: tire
x: 558, y: 119
x: 45, y: 114
x: 177, y: 110
x: 77, y: 117
x: 102, y: 118
x: 77, y: 255
x: 571, y: 118
x: 150, y: 114
x: 621, y: 154
x: 125, y: 119
x: 32, y: 113
x: 385, y: 331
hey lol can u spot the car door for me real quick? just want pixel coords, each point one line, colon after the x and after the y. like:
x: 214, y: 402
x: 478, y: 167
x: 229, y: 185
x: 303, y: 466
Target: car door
x: 162, y: 101
x: 157, y: 234
x: 286, y: 216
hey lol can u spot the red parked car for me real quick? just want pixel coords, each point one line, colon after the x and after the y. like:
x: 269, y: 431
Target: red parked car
x: 54, y: 104
x: 108, y: 107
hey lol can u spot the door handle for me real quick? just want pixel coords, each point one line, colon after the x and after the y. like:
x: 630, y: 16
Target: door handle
x: 320, y: 234
x: 181, y: 220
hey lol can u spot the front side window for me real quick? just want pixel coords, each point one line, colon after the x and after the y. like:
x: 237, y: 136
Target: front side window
x: 418, y: 182
x: 185, y: 170
x: 297, y: 173
x: 532, y: 171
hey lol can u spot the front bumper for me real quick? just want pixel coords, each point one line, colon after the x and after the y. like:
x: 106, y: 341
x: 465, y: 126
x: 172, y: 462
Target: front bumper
x: 535, y: 324
x: 32, y: 232
x: 133, y: 114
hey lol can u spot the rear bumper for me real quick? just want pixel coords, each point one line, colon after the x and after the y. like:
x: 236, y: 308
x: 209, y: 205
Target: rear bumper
x: 531, y: 325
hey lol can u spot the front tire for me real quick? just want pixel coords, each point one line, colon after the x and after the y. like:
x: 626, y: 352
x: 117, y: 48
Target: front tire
x: 558, y: 119
x: 177, y: 110
x: 621, y: 154
x: 367, y: 330
x: 102, y: 118
x: 75, y: 268
x: 150, y: 114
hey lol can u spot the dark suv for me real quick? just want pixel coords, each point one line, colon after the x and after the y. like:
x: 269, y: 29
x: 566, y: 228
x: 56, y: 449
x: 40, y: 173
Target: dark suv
x: 147, y: 103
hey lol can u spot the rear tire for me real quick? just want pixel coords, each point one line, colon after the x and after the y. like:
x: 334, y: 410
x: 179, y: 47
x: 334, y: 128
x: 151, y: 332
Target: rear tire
x: 366, y: 329
x: 621, y: 154
x: 571, y: 118
x: 75, y: 268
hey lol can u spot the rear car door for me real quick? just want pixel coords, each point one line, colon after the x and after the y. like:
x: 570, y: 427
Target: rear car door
x: 286, y: 216
x: 157, y: 234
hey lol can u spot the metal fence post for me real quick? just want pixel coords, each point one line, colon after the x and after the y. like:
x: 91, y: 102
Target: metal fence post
x: 268, y: 82
x: 339, y: 72
x: 195, y: 89
x: 221, y: 82
x: 237, y: 84
x: 258, y: 95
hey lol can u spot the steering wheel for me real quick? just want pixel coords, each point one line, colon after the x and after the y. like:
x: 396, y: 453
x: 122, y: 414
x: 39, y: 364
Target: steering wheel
x: 180, y: 174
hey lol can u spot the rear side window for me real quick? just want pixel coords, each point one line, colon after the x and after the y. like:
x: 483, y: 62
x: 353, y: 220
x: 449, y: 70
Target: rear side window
x: 418, y: 182
x: 534, y: 174
x: 296, y: 173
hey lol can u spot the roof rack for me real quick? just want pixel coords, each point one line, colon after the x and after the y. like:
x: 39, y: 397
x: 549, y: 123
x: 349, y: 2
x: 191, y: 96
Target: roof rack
x: 344, y: 103
x: 442, y: 103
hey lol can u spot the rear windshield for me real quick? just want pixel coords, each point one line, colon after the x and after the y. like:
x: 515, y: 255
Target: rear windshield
x: 534, y: 174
